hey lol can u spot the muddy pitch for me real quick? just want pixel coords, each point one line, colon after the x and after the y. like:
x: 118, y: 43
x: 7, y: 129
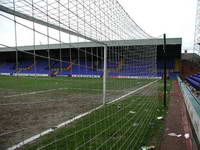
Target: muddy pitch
x: 24, y: 116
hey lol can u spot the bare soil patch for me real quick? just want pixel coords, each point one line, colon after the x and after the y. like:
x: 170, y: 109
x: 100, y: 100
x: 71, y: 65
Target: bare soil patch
x: 25, y: 116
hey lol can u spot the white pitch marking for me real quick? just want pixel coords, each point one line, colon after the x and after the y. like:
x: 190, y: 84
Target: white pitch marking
x: 31, y: 93
x: 51, y: 130
x: 44, y: 91
x: 131, y: 92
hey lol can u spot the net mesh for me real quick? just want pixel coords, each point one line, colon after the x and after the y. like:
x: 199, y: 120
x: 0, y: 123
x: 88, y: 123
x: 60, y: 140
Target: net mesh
x: 71, y: 80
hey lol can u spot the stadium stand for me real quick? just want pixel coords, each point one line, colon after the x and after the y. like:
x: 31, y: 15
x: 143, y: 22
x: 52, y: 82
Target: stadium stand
x: 194, y: 81
x: 85, y: 68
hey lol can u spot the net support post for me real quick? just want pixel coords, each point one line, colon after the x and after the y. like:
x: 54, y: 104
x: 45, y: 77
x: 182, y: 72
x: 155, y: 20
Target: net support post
x: 165, y: 70
x: 104, y: 74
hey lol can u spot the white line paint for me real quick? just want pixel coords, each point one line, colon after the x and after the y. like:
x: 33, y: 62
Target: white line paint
x: 51, y: 130
x: 45, y: 91
x: 30, y: 103
x: 73, y: 119
x: 132, y: 92
x: 30, y: 139
x: 31, y: 93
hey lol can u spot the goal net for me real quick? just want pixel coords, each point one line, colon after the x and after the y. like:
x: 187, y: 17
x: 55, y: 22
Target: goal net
x: 72, y: 78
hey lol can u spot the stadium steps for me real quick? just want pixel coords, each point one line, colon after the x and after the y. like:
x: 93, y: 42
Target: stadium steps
x: 195, y: 78
x: 193, y: 83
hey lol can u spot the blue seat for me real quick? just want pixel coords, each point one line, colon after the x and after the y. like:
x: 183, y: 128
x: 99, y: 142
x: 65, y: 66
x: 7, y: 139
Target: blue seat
x: 195, y: 78
x: 196, y: 75
x: 193, y: 83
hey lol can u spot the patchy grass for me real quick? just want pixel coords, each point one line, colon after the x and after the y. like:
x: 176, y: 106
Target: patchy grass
x: 27, y: 84
x: 121, y: 125
x: 156, y: 130
x: 111, y: 127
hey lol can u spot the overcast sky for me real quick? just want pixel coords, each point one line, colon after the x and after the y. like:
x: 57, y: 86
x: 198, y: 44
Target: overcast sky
x: 176, y: 18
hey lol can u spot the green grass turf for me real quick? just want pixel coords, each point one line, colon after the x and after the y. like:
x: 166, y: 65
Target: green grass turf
x: 109, y: 127
x: 155, y: 133
x: 27, y: 84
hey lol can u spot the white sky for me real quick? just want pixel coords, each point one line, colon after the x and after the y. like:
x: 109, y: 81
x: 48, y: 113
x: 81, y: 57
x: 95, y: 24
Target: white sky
x: 176, y: 18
